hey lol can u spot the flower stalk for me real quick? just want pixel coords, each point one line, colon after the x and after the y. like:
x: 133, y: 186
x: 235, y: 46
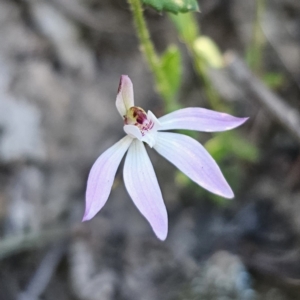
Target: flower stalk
x: 152, y: 58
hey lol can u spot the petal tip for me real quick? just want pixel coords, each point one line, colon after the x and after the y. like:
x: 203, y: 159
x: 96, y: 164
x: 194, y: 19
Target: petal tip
x: 88, y: 215
x: 237, y: 122
x: 162, y: 235
x: 161, y: 229
x: 225, y: 193
x: 229, y: 195
x: 85, y: 218
x: 243, y: 120
x: 123, y: 80
x: 162, y: 238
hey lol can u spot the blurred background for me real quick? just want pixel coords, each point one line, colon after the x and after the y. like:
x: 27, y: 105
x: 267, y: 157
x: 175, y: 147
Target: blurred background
x: 60, y: 64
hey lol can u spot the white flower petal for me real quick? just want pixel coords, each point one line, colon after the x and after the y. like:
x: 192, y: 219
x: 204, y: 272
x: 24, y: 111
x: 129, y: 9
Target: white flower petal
x: 192, y: 159
x: 102, y: 176
x: 133, y: 131
x: 201, y: 119
x: 142, y: 186
x: 125, y: 98
x: 150, y: 138
x: 153, y: 118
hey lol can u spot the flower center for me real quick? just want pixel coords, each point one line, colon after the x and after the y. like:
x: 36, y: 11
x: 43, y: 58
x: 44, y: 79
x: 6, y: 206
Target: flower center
x: 137, y: 116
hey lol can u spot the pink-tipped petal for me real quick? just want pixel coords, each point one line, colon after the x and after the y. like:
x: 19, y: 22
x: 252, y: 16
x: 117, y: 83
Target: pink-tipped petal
x: 192, y: 159
x: 201, y: 119
x: 142, y: 186
x: 125, y: 98
x: 102, y: 176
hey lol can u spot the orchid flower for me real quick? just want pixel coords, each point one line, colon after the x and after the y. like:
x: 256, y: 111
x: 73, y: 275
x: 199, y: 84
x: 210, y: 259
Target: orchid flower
x: 140, y: 180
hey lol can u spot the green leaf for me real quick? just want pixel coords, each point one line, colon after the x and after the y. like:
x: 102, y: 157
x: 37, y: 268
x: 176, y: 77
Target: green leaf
x: 173, y: 6
x: 171, y: 66
x: 273, y: 80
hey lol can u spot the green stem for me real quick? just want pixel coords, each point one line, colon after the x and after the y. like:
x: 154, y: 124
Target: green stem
x: 149, y: 52
x: 212, y: 96
x: 17, y: 243
x: 189, y: 31
x: 255, y: 52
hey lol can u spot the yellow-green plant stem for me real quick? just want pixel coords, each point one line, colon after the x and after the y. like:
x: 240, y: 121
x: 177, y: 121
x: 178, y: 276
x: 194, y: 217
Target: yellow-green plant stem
x: 255, y: 51
x: 213, y: 98
x: 189, y: 31
x: 150, y: 54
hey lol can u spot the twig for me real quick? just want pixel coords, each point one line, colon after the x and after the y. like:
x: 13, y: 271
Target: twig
x: 43, y: 274
x: 16, y: 244
x: 281, y: 53
x: 276, y: 106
